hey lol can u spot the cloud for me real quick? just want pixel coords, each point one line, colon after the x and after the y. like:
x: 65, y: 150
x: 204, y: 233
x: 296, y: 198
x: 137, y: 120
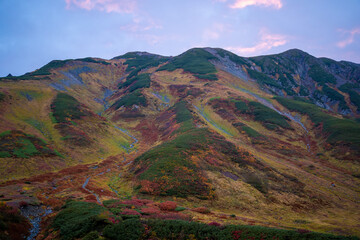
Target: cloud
x: 268, y: 41
x: 215, y: 31
x: 142, y: 24
x: 264, y: 3
x: 350, y: 39
x: 117, y: 6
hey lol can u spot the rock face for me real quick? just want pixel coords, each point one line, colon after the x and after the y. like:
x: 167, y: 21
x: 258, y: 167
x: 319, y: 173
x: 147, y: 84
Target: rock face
x: 325, y: 82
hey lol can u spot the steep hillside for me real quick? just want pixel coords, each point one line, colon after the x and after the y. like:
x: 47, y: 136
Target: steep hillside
x: 270, y: 140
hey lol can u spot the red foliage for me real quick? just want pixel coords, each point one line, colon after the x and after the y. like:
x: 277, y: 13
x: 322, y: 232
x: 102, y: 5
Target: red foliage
x: 214, y: 224
x: 237, y: 234
x: 14, y: 225
x: 130, y: 212
x: 23, y: 204
x: 168, y: 206
x: 150, y: 211
x: 302, y: 231
x: 171, y: 216
x: 113, y: 220
x: 203, y: 210
x: 136, y: 202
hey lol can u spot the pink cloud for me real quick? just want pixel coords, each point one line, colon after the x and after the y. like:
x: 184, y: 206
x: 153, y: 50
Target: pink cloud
x: 118, y: 6
x: 350, y: 39
x: 265, y: 3
x: 267, y: 42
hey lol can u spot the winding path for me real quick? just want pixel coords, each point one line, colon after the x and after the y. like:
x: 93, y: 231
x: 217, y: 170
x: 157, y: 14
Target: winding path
x: 135, y: 140
x: 84, y: 187
x: 201, y: 112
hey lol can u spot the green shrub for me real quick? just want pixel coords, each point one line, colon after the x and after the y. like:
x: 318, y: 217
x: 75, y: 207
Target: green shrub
x: 131, y: 99
x: 331, y: 93
x: 92, y: 60
x: 2, y: 96
x: 76, y: 219
x: 81, y: 220
x: 251, y: 132
x: 354, y: 96
x: 336, y: 129
x: 303, y: 91
x: 233, y: 57
x: 241, y: 106
x: 355, y: 99
x: 130, y: 229
x: 179, y: 209
x: 45, y: 70
x: 268, y: 116
x: 66, y: 108
x: 257, y: 182
x: 318, y: 74
x: 177, y: 229
x: 137, y: 61
x: 94, y: 235
x: 171, y: 160
x: 211, y: 77
x: 139, y: 81
x: 262, y: 78
x: 182, y: 112
x: 195, y: 61
x: 20, y: 145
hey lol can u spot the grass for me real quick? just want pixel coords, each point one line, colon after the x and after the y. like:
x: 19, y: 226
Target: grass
x: 20, y: 145
x: 2, y: 96
x: 137, y: 82
x: 318, y: 74
x: 195, y: 61
x: 133, y: 98
x: 336, y: 129
x: 66, y: 108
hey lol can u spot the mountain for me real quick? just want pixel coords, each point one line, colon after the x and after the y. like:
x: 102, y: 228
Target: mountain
x: 270, y: 140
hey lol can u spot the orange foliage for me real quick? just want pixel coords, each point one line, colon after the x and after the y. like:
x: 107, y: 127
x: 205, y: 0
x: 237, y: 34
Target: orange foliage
x: 168, y: 206
x: 203, y: 210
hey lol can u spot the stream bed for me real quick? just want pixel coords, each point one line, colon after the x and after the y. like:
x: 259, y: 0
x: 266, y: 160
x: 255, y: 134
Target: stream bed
x: 34, y: 214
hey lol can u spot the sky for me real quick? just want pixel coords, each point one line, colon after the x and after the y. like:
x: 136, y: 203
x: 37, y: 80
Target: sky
x: 34, y: 32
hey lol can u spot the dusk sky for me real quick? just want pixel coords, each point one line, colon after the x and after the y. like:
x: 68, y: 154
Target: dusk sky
x: 34, y: 32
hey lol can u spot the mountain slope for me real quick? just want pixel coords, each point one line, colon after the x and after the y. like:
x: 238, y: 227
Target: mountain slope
x: 273, y: 139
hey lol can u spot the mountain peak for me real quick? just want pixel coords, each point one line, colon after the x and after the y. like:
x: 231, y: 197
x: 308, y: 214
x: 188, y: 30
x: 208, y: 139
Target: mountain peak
x: 137, y: 54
